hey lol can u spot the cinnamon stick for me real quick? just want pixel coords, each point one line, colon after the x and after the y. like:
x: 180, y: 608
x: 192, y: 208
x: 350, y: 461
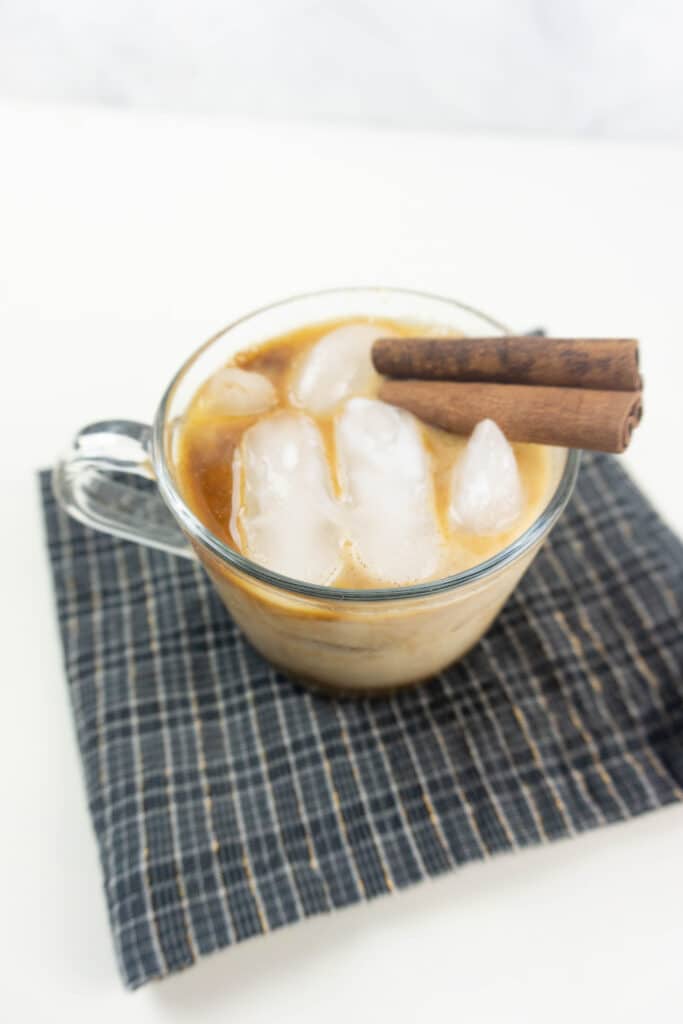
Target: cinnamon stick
x: 607, y: 364
x: 568, y: 417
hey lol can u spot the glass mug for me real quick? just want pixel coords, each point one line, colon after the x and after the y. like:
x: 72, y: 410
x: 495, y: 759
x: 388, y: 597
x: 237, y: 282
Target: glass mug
x: 356, y: 642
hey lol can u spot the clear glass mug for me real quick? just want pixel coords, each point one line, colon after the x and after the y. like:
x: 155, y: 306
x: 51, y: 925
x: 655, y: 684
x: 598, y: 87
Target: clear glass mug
x: 346, y: 641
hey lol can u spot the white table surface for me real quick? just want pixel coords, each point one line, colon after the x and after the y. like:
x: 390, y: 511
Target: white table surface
x: 124, y: 242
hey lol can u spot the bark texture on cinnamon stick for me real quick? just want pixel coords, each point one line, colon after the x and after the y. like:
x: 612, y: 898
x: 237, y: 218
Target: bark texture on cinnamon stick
x: 567, y: 417
x: 606, y: 364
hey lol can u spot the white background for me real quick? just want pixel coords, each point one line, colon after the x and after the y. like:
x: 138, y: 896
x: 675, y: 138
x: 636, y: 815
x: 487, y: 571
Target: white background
x: 128, y: 236
x: 594, y: 68
x: 127, y: 239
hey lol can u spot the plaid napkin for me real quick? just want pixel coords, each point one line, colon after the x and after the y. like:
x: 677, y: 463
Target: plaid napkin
x: 228, y: 802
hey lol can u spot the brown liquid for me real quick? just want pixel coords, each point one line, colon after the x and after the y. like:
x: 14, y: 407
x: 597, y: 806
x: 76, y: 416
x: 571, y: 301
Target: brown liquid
x: 207, y: 442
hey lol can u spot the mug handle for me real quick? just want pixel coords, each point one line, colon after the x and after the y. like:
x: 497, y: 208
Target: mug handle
x: 88, y: 484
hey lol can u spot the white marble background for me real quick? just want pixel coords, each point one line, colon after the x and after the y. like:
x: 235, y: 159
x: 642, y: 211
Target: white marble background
x: 595, y: 68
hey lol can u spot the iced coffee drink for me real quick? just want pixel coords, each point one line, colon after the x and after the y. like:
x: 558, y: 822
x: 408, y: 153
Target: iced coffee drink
x: 286, y: 454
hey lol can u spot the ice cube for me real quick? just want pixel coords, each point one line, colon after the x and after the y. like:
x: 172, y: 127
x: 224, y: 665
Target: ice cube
x: 386, y: 478
x: 486, y: 490
x: 236, y: 392
x: 288, y: 519
x: 338, y: 366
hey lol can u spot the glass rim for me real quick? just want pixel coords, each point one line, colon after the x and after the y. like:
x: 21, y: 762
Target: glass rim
x: 201, y: 533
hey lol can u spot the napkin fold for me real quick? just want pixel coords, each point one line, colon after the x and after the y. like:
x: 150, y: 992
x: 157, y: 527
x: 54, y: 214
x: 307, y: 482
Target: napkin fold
x: 227, y: 801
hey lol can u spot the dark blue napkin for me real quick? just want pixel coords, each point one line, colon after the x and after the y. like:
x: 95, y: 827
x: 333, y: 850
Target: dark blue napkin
x: 228, y: 801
